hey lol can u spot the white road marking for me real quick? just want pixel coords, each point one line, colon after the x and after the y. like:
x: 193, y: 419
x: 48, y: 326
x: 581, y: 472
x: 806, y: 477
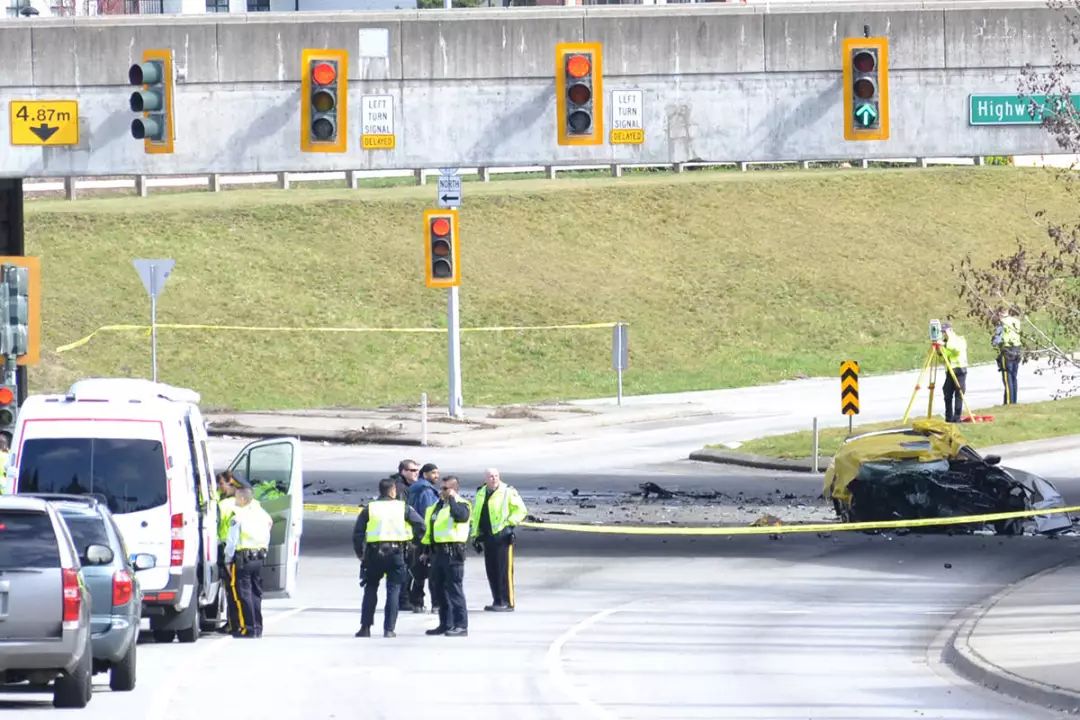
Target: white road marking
x: 160, y: 708
x: 553, y: 663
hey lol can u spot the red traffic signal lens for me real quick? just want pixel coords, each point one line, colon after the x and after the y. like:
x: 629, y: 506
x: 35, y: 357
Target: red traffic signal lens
x: 323, y: 73
x: 864, y: 88
x: 578, y: 66
x: 6, y: 396
x: 864, y: 61
x: 440, y: 227
x: 579, y: 94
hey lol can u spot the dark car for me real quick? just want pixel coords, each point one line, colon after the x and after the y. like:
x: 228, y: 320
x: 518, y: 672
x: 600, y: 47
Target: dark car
x: 44, y: 603
x: 928, y: 470
x: 116, y: 599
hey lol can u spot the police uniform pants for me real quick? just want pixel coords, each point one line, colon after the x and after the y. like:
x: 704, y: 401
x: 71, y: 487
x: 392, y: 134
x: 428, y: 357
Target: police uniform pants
x: 954, y: 394
x: 499, y: 563
x: 447, y: 591
x: 245, y: 595
x: 1009, y: 364
x: 380, y: 561
x: 420, y: 570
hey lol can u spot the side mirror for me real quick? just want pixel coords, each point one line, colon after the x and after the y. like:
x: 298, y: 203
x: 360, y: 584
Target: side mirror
x: 98, y: 554
x: 143, y: 561
x: 992, y: 459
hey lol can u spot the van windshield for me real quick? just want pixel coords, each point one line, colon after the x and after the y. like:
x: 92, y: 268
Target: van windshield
x: 128, y: 474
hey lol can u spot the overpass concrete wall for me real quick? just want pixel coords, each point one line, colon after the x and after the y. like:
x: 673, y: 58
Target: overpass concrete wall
x: 476, y: 87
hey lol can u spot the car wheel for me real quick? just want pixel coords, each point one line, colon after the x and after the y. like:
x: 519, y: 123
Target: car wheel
x: 191, y: 633
x: 122, y: 674
x: 217, y: 617
x: 73, y: 690
x: 163, y: 636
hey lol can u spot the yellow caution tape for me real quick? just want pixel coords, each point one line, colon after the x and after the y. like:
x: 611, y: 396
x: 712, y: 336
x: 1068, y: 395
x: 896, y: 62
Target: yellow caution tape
x: 791, y: 529
x: 245, y: 328
x: 749, y: 530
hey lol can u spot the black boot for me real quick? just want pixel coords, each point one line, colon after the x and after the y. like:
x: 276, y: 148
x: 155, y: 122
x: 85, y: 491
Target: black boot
x: 364, y: 631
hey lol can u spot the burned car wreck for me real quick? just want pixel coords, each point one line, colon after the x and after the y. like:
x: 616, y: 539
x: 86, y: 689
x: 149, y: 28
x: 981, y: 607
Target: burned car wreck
x: 928, y: 470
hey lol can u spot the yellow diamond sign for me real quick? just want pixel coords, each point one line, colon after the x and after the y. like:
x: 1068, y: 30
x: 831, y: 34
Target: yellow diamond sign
x: 44, y: 122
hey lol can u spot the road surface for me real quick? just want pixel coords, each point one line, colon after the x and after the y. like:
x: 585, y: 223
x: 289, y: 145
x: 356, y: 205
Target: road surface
x: 612, y: 627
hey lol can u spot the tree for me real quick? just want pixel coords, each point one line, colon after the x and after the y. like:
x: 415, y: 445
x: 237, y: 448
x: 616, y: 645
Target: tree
x: 1042, y: 279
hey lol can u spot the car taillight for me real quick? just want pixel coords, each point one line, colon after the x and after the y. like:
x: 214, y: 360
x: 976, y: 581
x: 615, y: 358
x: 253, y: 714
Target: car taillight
x: 176, y: 556
x: 122, y: 588
x: 72, y: 599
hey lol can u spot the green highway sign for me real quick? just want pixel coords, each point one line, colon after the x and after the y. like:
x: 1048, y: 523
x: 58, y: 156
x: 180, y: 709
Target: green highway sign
x: 1010, y: 109
x: 865, y: 114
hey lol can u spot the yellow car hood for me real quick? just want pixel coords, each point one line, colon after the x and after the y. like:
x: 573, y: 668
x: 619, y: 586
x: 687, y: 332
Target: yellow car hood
x: 926, y: 440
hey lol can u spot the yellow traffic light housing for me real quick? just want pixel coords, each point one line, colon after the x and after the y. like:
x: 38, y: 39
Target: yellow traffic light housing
x: 441, y: 249
x: 154, y: 102
x: 579, y: 93
x: 324, y: 100
x: 866, y: 88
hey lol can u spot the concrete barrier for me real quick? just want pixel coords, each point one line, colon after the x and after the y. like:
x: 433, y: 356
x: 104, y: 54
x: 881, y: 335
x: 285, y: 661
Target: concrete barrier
x: 728, y: 83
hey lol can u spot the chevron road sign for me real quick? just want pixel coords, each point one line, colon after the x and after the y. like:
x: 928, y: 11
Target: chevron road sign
x: 849, y: 387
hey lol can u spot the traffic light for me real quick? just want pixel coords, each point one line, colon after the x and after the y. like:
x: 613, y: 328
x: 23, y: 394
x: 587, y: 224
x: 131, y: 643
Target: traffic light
x: 866, y: 88
x: 324, y: 100
x: 16, y: 282
x: 154, y: 101
x: 579, y: 93
x: 441, y: 252
x: 9, y: 408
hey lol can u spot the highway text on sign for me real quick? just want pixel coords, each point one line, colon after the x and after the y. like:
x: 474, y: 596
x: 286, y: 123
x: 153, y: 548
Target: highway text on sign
x: 627, y: 121
x: 1014, y: 109
x: 377, y: 122
x: 44, y: 122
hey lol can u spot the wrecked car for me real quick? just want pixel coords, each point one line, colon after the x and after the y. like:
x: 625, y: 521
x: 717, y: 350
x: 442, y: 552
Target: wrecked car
x: 928, y: 470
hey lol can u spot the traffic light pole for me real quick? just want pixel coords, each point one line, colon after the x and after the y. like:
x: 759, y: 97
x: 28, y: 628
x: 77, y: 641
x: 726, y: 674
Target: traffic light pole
x: 12, y: 243
x: 453, y: 325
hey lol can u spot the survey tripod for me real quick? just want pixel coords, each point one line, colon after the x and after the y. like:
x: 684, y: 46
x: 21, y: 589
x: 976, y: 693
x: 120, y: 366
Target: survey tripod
x: 935, y: 359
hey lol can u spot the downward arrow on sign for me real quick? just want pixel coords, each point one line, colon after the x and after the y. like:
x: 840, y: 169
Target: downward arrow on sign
x: 44, y: 132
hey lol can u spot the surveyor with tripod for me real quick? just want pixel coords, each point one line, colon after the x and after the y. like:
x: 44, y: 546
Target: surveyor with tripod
x: 954, y: 350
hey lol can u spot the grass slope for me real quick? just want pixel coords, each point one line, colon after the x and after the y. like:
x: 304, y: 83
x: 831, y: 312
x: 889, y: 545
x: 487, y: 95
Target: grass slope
x: 726, y: 279
x: 1012, y: 423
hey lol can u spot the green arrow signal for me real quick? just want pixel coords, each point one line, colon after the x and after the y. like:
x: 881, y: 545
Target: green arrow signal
x: 865, y: 114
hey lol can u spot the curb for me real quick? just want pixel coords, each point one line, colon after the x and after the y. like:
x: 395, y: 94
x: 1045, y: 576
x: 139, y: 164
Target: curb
x: 338, y: 438
x: 759, y: 461
x: 968, y: 664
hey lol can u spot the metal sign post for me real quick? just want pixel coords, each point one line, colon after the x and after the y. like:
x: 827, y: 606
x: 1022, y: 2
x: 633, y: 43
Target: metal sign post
x: 154, y: 274
x: 448, y: 195
x: 620, y: 353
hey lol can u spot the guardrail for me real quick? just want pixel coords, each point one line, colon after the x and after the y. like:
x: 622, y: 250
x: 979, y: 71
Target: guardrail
x: 141, y: 184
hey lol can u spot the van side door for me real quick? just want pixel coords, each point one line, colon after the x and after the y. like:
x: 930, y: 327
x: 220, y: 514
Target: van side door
x: 274, y: 467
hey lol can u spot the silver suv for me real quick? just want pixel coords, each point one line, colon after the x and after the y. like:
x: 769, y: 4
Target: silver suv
x: 44, y: 603
x: 116, y: 605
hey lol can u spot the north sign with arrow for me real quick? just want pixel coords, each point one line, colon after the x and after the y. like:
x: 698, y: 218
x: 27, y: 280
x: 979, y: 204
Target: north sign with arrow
x: 44, y: 122
x: 448, y: 191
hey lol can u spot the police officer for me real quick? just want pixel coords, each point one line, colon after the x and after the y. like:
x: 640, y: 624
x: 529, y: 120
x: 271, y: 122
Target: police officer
x: 1007, y: 342
x: 245, y: 550
x: 406, y: 476
x: 954, y: 351
x: 227, y: 484
x: 496, y: 510
x: 380, y: 536
x: 446, y: 532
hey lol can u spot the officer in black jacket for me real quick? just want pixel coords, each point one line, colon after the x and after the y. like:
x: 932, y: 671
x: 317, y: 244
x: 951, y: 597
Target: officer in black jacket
x: 383, y: 530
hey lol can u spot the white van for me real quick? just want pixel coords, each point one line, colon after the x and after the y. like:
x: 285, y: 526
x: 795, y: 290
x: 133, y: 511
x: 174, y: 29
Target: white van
x: 142, y: 447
